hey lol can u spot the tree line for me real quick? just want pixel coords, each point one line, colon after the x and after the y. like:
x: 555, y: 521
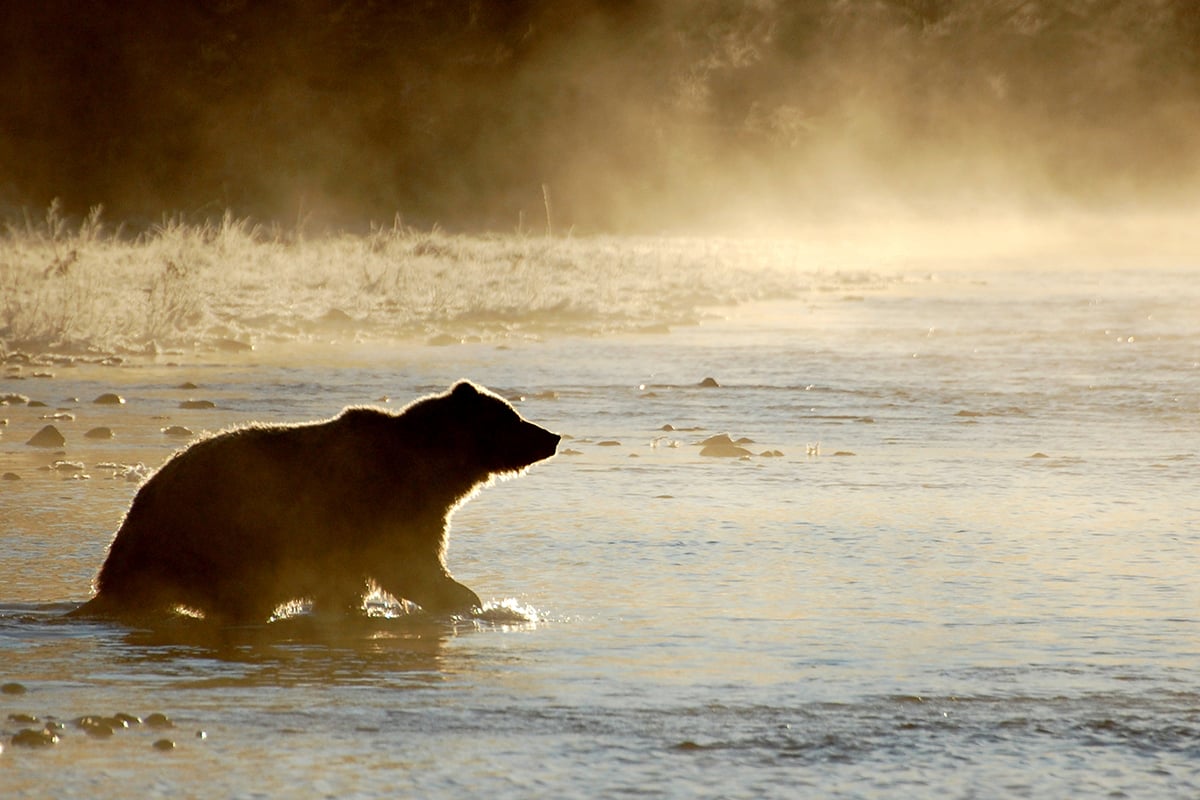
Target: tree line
x: 635, y: 115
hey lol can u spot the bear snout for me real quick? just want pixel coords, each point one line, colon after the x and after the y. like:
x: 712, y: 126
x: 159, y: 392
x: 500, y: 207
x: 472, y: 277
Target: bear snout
x: 552, y: 444
x: 545, y: 443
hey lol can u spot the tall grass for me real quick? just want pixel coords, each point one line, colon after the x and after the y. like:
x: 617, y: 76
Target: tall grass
x: 82, y: 287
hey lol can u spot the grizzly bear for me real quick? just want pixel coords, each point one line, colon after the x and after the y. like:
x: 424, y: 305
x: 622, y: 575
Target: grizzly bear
x: 239, y: 524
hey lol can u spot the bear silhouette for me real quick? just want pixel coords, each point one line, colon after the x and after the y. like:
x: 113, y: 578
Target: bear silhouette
x: 241, y: 523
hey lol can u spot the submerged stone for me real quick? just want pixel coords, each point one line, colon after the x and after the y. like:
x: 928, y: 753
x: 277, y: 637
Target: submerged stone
x: 12, y: 687
x: 48, y: 436
x: 31, y: 738
x: 100, y: 432
x: 99, y: 730
x: 94, y: 725
x: 109, y: 399
x: 197, y: 404
x: 724, y: 451
x: 721, y: 446
x: 164, y: 744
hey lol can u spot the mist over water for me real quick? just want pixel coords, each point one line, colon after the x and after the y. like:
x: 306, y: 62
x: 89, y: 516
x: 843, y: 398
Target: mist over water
x: 612, y: 116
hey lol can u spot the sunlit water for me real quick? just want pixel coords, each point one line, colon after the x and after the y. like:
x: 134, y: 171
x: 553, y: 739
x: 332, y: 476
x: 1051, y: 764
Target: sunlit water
x: 973, y: 572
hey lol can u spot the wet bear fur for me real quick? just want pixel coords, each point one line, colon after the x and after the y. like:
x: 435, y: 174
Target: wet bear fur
x: 238, y: 524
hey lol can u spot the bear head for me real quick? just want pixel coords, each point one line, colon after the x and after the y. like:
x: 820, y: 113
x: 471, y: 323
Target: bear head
x: 502, y: 441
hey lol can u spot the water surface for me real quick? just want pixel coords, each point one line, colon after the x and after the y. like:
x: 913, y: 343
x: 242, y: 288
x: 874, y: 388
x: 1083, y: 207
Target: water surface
x: 972, y: 572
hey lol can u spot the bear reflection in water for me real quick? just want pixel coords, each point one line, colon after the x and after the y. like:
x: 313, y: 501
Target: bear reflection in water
x: 239, y: 524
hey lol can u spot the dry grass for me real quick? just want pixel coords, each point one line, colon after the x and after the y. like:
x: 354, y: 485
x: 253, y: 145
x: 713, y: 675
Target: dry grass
x: 84, y: 288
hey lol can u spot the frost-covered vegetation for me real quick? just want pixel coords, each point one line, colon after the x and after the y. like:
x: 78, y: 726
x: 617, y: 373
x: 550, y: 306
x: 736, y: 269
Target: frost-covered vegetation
x: 85, y: 288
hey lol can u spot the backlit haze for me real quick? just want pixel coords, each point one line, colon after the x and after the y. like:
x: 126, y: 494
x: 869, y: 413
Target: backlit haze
x: 869, y: 327
x: 693, y: 116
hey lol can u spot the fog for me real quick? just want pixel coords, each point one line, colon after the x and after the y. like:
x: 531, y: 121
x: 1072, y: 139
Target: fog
x: 694, y: 116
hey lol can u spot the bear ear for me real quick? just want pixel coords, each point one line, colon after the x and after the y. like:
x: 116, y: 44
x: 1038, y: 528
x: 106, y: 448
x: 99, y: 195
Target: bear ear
x: 464, y: 389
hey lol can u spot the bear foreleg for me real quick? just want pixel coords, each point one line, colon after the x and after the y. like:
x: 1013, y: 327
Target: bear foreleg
x: 432, y: 589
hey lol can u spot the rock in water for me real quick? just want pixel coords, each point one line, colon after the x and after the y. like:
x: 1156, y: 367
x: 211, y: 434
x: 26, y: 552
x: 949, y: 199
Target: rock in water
x: 159, y: 720
x: 31, y: 738
x: 721, y: 446
x: 48, y: 436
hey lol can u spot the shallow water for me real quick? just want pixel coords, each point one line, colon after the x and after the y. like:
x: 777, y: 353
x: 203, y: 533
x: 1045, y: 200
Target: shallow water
x: 972, y: 572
